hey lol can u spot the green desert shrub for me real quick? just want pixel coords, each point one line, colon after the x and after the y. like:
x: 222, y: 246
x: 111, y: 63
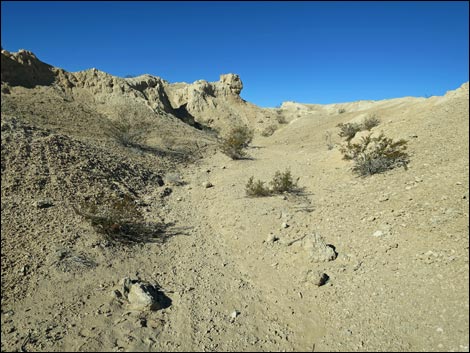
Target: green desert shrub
x: 370, y: 122
x: 281, y: 183
x: 348, y: 130
x: 237, y: 140
x: 256, y: 188
x: 374, y: 155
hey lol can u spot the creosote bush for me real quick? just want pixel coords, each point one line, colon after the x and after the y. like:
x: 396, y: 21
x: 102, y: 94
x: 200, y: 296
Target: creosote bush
x: 281, y: 182
x: 235, y: 143
x: 348, y: 130
x: 256, y: 188
x: 370, y: 122
x: 374, y: 155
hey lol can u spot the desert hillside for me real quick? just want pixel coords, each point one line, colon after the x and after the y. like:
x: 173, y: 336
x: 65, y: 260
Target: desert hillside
x: 347, y: 262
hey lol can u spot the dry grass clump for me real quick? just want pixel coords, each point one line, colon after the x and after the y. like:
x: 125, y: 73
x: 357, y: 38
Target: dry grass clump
x: 237, y: 140
x: 281, y: 183
x: 374, y: 155
x: 119, y: 220
x: 125, y: 132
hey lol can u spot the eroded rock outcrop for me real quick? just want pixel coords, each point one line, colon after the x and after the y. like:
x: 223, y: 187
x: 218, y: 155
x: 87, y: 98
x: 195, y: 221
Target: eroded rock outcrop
x: 200, y: 104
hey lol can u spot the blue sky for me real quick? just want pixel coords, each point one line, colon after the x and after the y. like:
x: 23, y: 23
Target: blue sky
x: 310, y: 52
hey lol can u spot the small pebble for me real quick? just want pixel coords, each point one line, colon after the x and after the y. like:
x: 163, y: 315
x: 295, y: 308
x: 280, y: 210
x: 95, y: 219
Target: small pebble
x: 234, y: 314
x: 378, y: 233
x: 207, y: 184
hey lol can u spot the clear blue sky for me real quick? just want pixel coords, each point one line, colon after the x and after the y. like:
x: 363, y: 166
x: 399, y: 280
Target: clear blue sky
x: 310, y: 52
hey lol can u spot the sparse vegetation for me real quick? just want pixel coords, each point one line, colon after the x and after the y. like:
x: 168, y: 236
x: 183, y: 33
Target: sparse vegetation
x: 374, y: 155
x: 349, y: 130
x: 235, y: 143
x: 370, y: 122
x: 256, y: 188
x: 329, y: 142
x: 341, y: 111
x: 281, y: 183
x: 269, y: 130
x: 119, y: 220
x: 281, y: 118
x: 125, y: 132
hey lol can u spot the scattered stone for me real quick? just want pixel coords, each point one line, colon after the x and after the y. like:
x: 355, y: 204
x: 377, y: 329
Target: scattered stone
x: 378, y: 233
x: 285, y: 225
x: 318, y: 278
x: 271, y: 238
x: 318, y: 249
x: 116, y: 294
x: 44, y: 203
x: 384, y: 197
x: 8, y: 313
x: 234, y: 314
x: 207, y: 184
x: 143, y: 296
x: 166, y: 192
x: 143, y: 322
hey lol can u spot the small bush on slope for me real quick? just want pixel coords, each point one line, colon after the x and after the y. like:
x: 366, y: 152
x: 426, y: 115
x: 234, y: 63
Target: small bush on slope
x: 348, y: 130
x: 370, y: 122
x: 235, y: 143
x: 376, y: 154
